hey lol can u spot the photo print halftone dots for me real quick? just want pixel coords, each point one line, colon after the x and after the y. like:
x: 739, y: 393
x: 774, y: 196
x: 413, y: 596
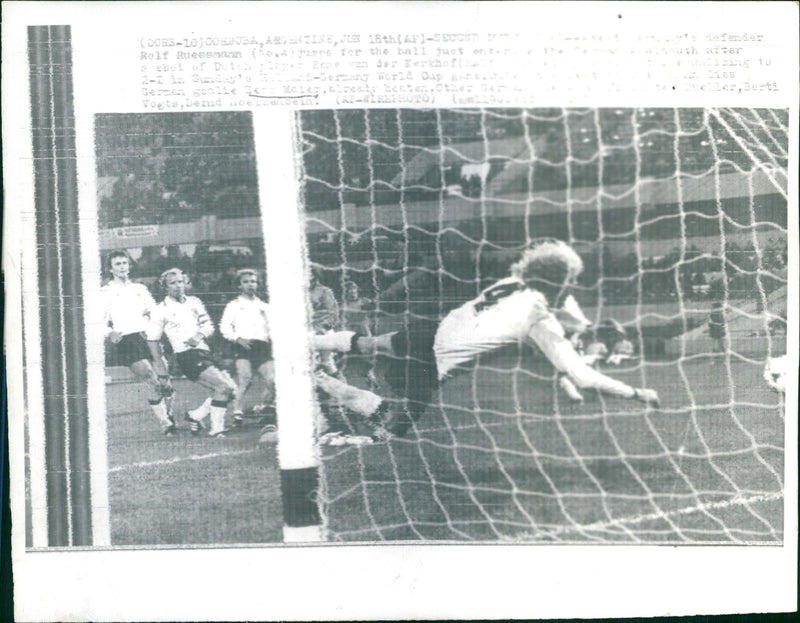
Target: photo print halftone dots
x: 178, y: 192
x: 670, y: 210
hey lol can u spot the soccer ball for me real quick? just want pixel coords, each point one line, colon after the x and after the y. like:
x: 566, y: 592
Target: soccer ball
x: 775, y: 372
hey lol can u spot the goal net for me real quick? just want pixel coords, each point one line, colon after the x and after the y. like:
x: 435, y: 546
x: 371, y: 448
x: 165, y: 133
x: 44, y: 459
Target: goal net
x: 680, y: 216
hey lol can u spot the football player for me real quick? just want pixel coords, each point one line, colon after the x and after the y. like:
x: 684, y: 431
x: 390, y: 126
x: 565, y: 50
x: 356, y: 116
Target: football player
x: 128, y: 307
x: 184, y: 321
x: 324, y: 317
x: 245, y: 322
x: 716, y: 327
x: 532, y: 305
x: 325, y: 309
x: 356, y: 310
x: 357, y: 316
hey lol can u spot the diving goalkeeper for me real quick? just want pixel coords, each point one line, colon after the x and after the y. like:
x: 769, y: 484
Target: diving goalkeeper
x: 533, y: 305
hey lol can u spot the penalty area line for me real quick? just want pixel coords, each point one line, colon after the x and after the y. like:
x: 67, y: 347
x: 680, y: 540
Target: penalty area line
x: 179, y: 459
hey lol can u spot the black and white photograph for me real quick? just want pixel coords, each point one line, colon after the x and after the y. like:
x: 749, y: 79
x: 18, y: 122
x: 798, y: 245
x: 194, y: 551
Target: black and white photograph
x: 371, y: 311
x: 189, y: 366
x: 549, y: 325
x: 528, y: 326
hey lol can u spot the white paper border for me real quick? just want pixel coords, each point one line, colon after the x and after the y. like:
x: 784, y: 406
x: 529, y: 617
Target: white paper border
x: 358, y: 582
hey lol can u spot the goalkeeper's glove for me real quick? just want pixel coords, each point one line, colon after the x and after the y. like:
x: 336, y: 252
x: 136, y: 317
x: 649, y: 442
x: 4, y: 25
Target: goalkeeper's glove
x: 569, y: 387
x: 647, y: 396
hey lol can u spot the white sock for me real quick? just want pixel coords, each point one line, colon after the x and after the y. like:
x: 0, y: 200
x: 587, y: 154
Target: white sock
x: 339, y: 341
x: 202, y: 411
x: 217, y: 420
x: 160, y: 410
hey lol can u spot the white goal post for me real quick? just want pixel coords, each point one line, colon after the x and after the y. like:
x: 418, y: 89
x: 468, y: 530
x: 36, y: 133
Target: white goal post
x: 284, y: 240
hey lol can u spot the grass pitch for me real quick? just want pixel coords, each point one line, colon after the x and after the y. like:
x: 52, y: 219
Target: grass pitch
x: 501, y: 456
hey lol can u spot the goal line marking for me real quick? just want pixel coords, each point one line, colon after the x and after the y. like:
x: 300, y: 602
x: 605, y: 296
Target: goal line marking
x: 603, y: 525
x: 180, y: 459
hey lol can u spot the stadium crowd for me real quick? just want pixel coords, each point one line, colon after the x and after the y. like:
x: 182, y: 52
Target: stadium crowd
x: 151, y: 169
x: 149, y: 172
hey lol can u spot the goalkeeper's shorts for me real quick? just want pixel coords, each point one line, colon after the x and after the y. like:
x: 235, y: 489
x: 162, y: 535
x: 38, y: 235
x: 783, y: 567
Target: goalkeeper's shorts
x: 412, y: 372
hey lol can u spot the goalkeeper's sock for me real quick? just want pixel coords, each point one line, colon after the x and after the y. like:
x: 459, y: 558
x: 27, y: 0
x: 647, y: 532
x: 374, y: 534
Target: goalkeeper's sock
x: 217, y: 412
x: 339, y: 341
x: 202, y: 411
x: 160, y: 410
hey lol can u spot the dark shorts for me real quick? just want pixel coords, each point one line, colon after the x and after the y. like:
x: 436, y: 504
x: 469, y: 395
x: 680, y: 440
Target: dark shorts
x: 717, y: 332
x: 193, y: 362
x: 130, y: 349
x: 258, y: 354
x: 412, y: 371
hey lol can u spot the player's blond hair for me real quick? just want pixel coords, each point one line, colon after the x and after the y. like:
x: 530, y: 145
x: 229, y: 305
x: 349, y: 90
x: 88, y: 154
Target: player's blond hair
x: 536, y: 261
x: 245, y: 271
x: 162, y: 280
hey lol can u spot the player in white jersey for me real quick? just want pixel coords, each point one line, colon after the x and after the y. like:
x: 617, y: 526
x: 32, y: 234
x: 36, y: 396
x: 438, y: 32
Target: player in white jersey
x: 533, y: 306
x: 186, y: 324
x: 127, y: 310
x: 245, y: 322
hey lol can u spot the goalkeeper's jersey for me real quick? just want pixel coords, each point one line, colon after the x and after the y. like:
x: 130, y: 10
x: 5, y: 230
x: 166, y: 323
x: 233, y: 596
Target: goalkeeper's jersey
x: 506, y: 313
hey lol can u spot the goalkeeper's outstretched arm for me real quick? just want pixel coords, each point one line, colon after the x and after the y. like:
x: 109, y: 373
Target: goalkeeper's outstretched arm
x: 562, y: 355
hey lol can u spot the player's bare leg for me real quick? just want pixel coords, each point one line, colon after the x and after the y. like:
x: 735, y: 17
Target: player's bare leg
x: 224, y: 389
x: 267, y: 372
x: 388, y: 422
x: 360, y: 401
x: 269, y: 428
x: 244, y: 376
x: 168, y: 392
x: 144, y: 373
x: 349, y: 341
x: 326, y: 358
x: 364, y: 403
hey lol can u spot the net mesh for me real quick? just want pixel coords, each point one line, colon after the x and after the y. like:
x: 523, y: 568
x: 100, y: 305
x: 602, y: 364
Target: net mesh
x: 680, y: 216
